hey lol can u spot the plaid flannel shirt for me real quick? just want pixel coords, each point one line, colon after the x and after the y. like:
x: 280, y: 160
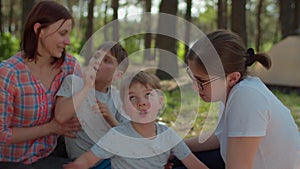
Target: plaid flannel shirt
x: 24, y: 102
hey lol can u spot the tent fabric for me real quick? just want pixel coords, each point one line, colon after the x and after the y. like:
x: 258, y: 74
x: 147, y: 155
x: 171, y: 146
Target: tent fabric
x: 285, y: 69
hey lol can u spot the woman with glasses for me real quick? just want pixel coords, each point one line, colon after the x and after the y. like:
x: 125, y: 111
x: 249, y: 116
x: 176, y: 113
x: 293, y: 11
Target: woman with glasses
x: 255, y: 129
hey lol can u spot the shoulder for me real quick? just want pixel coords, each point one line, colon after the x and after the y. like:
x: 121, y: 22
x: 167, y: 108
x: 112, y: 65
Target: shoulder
x: 71, y: 65
x: 114, y: 90
x: 123, y: 126
x: 251, y: 89
x: 115, y: 94
x: 166, y: 131
x: 73, y: 78
x: 70, y: 59
x: 162, y: 127
x: 126, y: 129
x: 12, y: 66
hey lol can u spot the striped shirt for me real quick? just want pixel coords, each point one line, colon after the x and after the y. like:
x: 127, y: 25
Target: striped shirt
x: 24, y: 102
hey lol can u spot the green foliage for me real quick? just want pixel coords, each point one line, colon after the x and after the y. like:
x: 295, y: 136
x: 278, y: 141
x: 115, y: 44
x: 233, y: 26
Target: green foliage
x: 291, y: 101
x: 9, y: 46
x: 133, y: 43
x: 181, y: 51
x: 208, y: 19
x: 75, y: 48
x: 185, y: 106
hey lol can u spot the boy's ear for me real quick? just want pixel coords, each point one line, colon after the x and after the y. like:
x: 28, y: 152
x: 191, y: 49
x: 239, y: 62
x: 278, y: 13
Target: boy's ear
x: 233, y: 78
x: 118, y: 74
x: 161, y: 101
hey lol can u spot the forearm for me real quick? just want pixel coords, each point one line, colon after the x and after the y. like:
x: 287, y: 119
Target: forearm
x: 88, y: 159
x: 210, y: 144
x: 113, y: 122
x: 66, y: 108
x: 23, y: 134
x: 191, y: 162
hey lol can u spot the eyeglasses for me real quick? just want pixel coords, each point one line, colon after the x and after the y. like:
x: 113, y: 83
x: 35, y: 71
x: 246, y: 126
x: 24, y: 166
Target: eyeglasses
x: 197, y: 82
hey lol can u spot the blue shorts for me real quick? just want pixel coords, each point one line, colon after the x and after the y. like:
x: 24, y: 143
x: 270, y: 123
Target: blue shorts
x: 105, y: 164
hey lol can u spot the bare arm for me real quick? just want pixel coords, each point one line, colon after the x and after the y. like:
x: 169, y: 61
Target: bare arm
x: 191, y: 162
x: 53, y: 127
x: 65, y: 107
x: 210, y: 144
x: 85, y: 161
x: 241, y: 152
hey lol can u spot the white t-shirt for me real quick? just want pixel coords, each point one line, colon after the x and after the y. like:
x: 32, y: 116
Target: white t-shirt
x: 94, y: 125
x: 252, y: 110
x: 126, y: 148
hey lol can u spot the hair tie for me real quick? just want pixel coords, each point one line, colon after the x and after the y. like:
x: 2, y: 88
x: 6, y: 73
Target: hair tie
x: 250, y: 57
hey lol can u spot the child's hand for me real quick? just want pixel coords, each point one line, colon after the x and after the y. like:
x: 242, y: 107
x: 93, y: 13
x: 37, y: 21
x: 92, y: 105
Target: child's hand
x: 74, y: 165
x: 169, y: 165
x: 105, y: 113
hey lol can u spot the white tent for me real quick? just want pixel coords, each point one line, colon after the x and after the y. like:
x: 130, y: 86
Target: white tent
x: 285, y: 69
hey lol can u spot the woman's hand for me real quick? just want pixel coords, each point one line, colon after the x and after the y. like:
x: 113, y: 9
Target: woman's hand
x: 67, y: 129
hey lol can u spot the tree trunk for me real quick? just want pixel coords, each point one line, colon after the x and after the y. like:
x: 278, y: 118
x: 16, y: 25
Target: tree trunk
x: 147, y: 41
x: 286, y: 17
x: 70, y: 5
x: 188, y: 17
x: 89, y: 31
x: 222, y: 14
x: 167, y: 66
x: 258, y: 26
x: 26, y: 7
x: 296, y: 16
x: 10, y: 16
x: 238, y: 18
x: 115, y: 6
x: 225, y: 16
x: 1, y: 21
x: 105, y: 21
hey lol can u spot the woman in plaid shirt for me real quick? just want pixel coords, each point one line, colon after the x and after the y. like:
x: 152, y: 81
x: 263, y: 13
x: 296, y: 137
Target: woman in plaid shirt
x: 28, y: 83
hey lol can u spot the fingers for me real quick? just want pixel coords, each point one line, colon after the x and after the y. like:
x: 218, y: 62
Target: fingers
x: 102, y: 107
x: 70, y: 135
x: 73, y: 125
x: 90, y: 75
x: 90, y: 71
x: 74, y: 120
x: 169, y: 166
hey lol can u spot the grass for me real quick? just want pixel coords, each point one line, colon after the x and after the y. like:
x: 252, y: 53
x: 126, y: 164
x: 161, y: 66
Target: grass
x: 292, y: 101
x: 207, y: 116
x: 188, y: 112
